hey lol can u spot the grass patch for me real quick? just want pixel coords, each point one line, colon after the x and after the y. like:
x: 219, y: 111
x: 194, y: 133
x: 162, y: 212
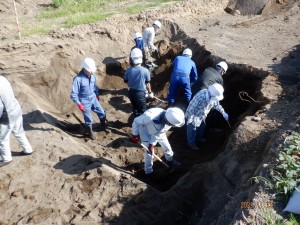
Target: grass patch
x: 69, y: 13
x: 137, y: 8
x: 85, y: 19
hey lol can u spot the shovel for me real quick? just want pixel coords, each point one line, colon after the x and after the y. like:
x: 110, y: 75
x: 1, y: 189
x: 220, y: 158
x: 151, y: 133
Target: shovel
x: 158, y: 99
x: 159, y: 159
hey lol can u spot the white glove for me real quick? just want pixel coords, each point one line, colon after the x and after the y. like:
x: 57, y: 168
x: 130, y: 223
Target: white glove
x: 154, y: 49
x: 151, y: 95
x: 147, y: 94
x: 225, y: 115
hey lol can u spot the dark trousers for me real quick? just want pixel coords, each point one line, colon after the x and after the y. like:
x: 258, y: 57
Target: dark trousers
x: 138, y: 101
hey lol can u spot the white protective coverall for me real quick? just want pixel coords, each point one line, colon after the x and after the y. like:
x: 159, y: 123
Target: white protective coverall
x: 148, y: 39
x: 11, y: 121
x: 152, y: 129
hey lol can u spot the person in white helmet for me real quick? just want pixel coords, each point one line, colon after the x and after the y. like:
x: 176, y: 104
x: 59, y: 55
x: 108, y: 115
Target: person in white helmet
x: 148, y: 40
x: 138, y: 41
x: 85, y: 94
x: 151, y: 127
x: 197, y: 111
x: 210, y: 76
x: 138, y: 79
x: 184, y: 73
x: 11, y: 121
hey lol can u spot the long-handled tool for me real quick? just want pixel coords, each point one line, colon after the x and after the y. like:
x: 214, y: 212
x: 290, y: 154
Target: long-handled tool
x: 158, y: 99
x: 159, y: 159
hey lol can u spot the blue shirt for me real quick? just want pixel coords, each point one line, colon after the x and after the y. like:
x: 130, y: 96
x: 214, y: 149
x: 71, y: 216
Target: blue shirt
x: 84, y: 87
x: 139, y: 43
x: 137, y: 77
x: 184, y: 66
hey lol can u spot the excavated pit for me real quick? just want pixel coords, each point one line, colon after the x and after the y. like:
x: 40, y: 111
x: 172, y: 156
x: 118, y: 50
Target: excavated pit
x: 242, y: 97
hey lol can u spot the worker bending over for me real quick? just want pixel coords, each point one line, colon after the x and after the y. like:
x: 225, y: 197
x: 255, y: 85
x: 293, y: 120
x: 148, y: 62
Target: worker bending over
x: 210, y: 76
x: 184, y: 73
x: 151, y: 127
x: 198, y: 109
x: 148, y: 40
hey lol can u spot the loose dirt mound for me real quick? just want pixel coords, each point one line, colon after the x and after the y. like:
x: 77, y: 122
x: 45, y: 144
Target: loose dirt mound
x: 72, y: 180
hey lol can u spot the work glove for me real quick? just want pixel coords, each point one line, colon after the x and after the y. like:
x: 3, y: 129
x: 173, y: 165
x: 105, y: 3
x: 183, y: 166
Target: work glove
x: 225, y: 115
x: 150, y: 95
x: 135, y: 138
x: 98, y: 98
x: 81, y: 107
x: 151, y: 149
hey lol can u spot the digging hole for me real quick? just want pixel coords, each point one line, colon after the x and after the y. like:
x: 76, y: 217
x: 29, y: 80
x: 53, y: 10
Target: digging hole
x: 242, y: 97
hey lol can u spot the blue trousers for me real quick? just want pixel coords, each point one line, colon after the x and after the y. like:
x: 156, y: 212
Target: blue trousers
x: 194, y: 133
x: 92, y: 104
x: 138, y: 101
x: 176, y: 83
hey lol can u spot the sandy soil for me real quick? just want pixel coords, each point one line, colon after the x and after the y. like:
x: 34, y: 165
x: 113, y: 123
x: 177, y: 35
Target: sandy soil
x: 72, y: 180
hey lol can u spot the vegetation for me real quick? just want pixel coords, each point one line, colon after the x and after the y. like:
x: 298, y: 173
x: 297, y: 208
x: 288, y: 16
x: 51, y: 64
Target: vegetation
x: 69, y: 13
x: 286, y: 180
x: 288, y: 170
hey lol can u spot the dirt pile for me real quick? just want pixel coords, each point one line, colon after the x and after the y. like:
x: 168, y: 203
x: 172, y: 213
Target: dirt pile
x: 71, y: 180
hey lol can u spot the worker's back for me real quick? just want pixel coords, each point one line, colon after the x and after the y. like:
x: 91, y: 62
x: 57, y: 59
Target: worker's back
x: 207, y: 78
x: 183, y: 66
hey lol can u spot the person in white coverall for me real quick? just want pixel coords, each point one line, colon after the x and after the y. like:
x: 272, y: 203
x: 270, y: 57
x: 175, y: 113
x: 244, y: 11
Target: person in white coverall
x: 11, y: 121
x: 148, y: 39
x: 151, y: 127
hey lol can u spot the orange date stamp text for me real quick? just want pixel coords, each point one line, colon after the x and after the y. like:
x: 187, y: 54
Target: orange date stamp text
x: 253, y: 205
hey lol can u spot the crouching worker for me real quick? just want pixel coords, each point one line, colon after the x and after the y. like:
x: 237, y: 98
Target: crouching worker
x: 151, y: 127
x: 198, y: 109
x: 85, y: 94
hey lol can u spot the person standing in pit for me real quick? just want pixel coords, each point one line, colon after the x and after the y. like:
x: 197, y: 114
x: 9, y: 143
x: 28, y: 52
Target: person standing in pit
x: 138, y: 79
x: 151, y: 127
x: 198, y: 109
x: 148, y: 40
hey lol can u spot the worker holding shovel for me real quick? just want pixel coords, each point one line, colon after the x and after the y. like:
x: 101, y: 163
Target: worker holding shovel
x: 151, y: 127
x: 198, y: 109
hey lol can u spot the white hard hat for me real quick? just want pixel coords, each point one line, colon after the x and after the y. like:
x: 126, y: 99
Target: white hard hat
x: 89, y: 64
x: 136, y: 55
x: 216, y: 90
x: 175, y: 116
x: 157, y: 23
x: 137, y: 35
x: 187, y: 52
x: 223, y: 65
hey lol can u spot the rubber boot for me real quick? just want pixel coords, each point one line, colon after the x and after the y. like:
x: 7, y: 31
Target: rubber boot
x: 91, y: 133
x: 104, y: 126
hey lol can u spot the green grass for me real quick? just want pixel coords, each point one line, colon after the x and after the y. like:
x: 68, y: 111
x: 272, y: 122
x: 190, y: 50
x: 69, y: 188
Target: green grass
x: 85, y: 19
x: 69, y: 13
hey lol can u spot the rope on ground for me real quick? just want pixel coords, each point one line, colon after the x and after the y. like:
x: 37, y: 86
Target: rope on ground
x: 247, y: 95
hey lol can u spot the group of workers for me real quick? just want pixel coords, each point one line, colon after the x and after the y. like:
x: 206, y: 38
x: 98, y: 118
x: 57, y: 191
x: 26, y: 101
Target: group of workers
x: 201, y: 94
